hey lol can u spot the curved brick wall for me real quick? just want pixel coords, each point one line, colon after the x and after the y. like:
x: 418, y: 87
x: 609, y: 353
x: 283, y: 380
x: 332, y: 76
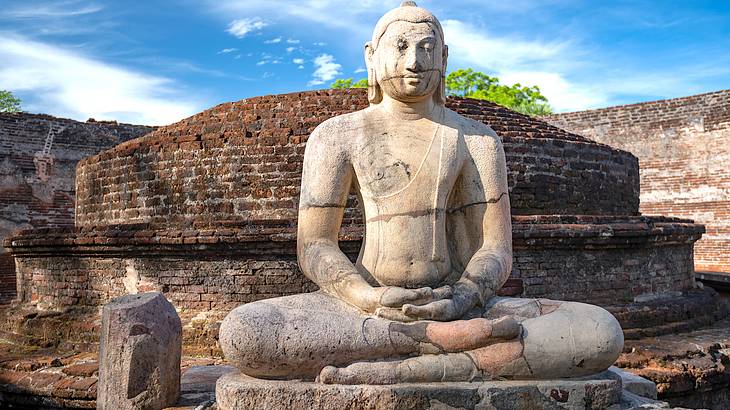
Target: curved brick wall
x: 241, y: 161
x: 597, y: 259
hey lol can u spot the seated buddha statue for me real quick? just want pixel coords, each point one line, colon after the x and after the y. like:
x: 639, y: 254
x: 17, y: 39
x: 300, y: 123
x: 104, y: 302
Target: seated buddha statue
x: 420, y: 303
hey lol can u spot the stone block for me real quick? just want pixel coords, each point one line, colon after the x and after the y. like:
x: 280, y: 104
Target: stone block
x: 602, y: 391
x: 139, y: 353
x: 635, y: 384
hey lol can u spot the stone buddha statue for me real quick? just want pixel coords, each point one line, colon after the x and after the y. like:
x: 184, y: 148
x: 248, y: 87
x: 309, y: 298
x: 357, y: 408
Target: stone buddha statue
x: 419, y: 304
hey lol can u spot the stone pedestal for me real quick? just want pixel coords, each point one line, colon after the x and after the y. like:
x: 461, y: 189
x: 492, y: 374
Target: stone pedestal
x: 139, y: 353
x: 601, y: 391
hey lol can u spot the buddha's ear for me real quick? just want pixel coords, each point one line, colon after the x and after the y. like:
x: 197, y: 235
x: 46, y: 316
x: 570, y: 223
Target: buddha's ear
x: 369, y: 52
x: 445, y: 60
x: 440, y: 94
x: 375, y: 95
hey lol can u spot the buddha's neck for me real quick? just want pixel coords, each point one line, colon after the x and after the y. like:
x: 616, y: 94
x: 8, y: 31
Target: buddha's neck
x: 415, y: 110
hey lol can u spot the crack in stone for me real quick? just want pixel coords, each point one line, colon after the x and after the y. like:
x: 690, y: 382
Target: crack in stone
x: 487, y: 202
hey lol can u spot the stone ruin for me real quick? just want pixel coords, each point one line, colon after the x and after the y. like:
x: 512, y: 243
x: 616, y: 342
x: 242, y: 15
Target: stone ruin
x: 204, y: 211
x: 683, y: 153
x: 38, y: 157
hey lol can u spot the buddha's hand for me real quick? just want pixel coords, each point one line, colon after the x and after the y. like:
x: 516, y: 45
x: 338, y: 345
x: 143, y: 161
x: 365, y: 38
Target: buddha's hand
x: 389, y: 300
x: 464, y: 297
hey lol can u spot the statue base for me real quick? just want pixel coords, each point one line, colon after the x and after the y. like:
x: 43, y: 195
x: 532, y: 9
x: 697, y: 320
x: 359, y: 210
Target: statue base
x: 600, y: 391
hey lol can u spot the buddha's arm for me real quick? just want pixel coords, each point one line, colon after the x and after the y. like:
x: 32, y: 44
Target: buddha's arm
x: 326, y: 179
x: 491, y: 265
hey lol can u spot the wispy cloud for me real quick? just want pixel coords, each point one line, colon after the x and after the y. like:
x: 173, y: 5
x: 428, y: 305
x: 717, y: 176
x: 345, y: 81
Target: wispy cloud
x: 360, y: 70
x: 290, y: 49
x: 292, y: 41
x: 49, y: 10
x: 273, y: 41
x: 66, y: 83
x: 326, y: 69
x: 227, y: 50
x: 241, y: 27
x: 352, y: 16
x: 528, y: 62
x: 298, y: 61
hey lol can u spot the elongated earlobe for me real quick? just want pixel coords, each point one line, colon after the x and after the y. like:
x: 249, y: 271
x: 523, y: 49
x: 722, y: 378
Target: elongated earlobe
x: 440, y: 95
x: 375, y: 94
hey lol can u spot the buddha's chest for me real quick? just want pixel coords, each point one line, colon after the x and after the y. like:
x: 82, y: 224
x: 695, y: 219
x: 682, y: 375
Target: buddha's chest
x: 387, y: 164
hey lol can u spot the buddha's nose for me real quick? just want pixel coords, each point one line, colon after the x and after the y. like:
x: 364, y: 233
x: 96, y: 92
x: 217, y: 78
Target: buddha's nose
x: 412, y: 61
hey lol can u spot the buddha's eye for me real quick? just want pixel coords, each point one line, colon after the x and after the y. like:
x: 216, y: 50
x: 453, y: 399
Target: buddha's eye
x: 402, y: 45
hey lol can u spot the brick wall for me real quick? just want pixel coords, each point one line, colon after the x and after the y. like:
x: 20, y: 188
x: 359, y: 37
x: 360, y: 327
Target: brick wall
x: 242, y: 161
x: 602, y: 259
x: 29, y: 198
x: 683, y: 146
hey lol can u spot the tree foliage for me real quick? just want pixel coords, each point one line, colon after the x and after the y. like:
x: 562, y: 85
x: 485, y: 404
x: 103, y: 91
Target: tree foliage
x: 8, y: 102
x: 349, y: 83
x: 474, y: 84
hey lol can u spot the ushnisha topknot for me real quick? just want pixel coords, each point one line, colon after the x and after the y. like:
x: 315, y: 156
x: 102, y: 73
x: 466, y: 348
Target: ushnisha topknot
x: 410, y: 12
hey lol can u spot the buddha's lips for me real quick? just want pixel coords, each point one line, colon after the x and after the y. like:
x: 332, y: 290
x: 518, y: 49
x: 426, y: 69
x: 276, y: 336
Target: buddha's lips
x: 419, y: 75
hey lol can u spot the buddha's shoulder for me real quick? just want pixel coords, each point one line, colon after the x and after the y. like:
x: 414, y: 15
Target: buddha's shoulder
x: 342, y: 126
x: 469, y: 127
x: 477, y: 135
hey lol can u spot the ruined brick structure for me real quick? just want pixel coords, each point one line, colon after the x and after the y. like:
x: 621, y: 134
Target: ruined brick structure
x: 683, y: 146
x: 37, y: 191
x: 204, y: 210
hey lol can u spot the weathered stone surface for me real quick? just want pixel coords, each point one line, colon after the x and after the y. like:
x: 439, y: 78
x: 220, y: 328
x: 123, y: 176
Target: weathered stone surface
x: 237, y: 391
x: 635, y: 384
x: 139, y: 354
x: 690, y: 369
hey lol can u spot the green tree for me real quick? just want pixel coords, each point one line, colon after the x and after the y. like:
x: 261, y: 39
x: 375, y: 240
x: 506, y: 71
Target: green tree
x: 349, y: 83
x: 474, y: 84
x: 8, y: 102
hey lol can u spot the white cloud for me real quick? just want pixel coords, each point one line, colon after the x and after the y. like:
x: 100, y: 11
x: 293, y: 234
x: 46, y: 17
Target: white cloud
x: 262, y: 62
x: 498, y: 53
x: 241, y: 27
x: 319, y: 44
x: 68, y: 84
x: 355, y: 16
x: 292, y: 41
x: 327, y: 69
x: 273, y: 41
x: 301, y: 67
x: 298, y: 61
x: 61, y: 9
x: 360, y: 70
x: 561, y: 93
x: 290, y: 49
x: 516, y: 60
x: 227, y: 50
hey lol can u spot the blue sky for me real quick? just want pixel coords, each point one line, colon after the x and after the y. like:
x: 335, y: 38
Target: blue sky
x: 157, y: 61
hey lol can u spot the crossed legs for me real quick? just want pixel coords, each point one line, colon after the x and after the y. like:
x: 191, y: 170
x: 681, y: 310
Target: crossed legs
x: 315, y: 335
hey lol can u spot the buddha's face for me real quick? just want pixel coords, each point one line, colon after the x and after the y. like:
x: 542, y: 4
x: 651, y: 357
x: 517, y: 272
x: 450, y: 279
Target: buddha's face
x: 409, y: 61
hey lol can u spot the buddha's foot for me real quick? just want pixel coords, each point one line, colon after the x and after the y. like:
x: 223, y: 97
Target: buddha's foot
x: 481, y: 364
x: 459, y: 335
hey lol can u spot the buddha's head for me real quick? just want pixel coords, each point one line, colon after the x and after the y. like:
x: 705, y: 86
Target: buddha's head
x: 406, y: 59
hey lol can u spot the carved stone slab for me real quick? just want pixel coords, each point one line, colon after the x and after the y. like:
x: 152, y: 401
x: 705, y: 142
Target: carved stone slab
x: 601, y: 391
x: 139, y: 353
